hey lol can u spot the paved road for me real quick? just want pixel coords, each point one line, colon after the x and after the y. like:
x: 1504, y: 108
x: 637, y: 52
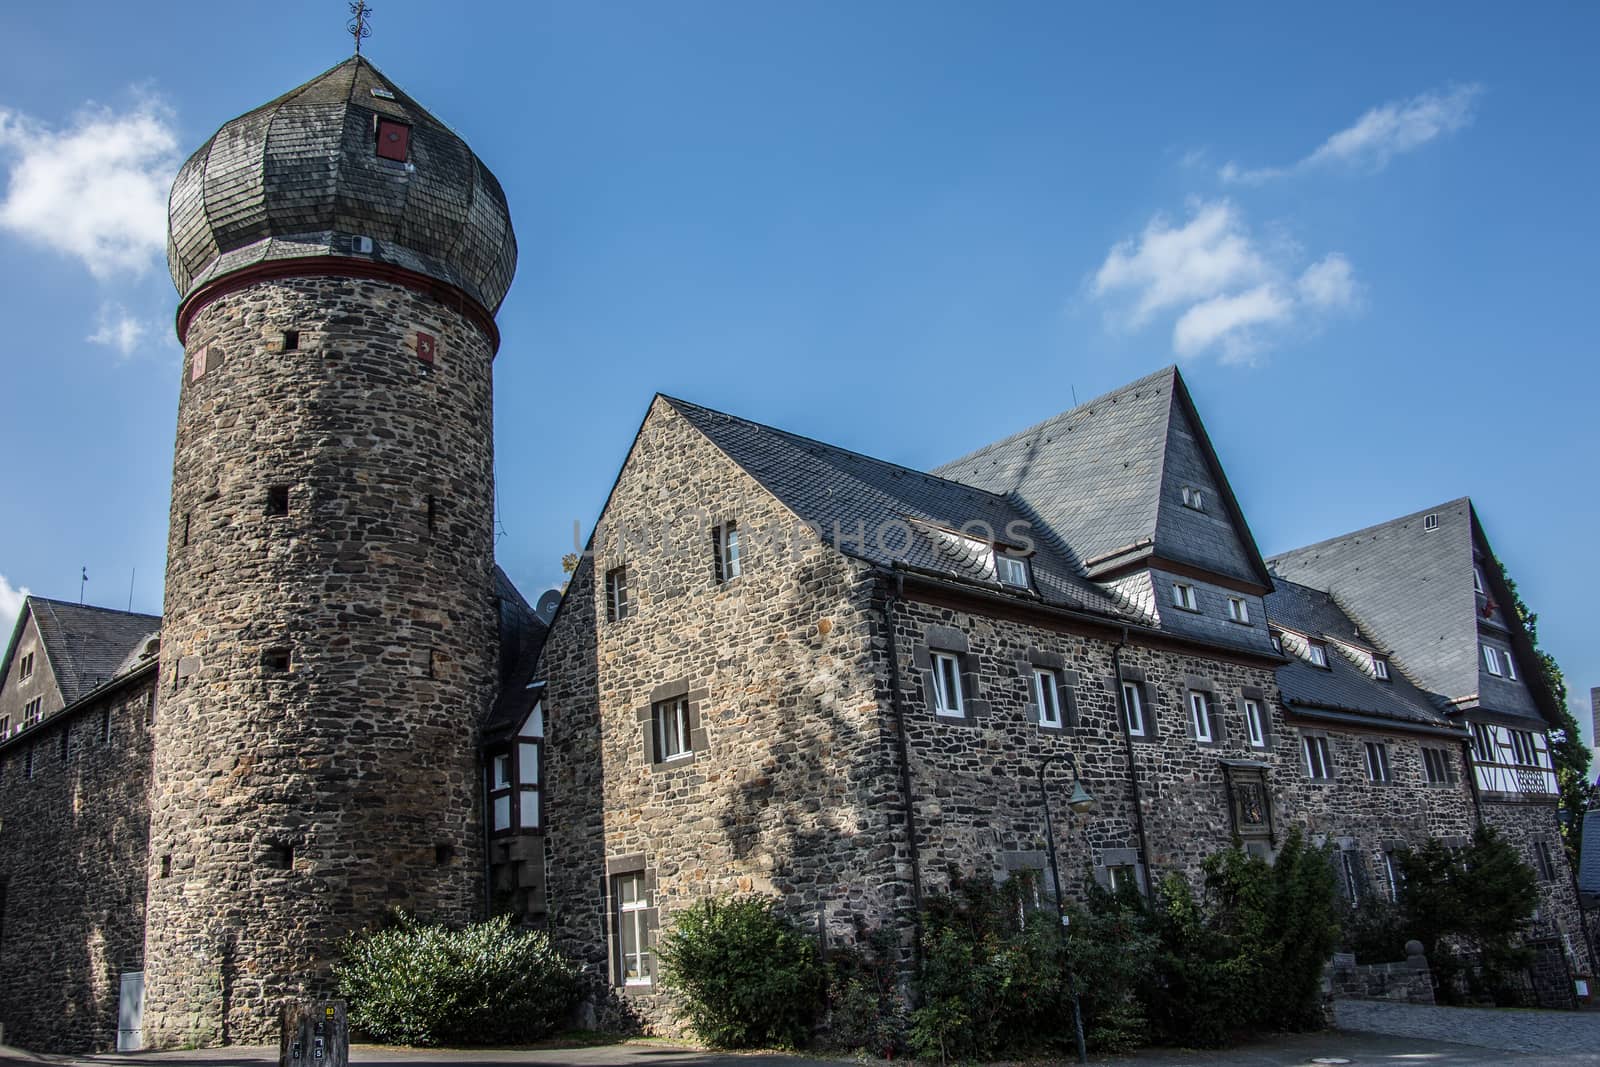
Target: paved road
x: 1542, y: 1032
x: 1480, y: 1039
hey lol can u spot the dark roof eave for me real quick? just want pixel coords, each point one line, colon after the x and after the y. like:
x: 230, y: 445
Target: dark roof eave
x: 1359, y: 717
x: 1111, y: 623
x: 119, y: 682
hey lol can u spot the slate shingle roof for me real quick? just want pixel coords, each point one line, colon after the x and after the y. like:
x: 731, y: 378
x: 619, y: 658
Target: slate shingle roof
x: 300, y: 176
x: 1093, y: 473
x: 1343, y: 686
x: 1589, y: 859
x: 835, y: 488
x: 88, y: 646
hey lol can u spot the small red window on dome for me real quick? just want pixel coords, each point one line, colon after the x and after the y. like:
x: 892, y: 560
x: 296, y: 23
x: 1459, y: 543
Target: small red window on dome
x: 394, y: 139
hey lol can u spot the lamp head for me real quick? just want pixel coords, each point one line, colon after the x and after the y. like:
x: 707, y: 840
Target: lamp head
x: 1081, y: 801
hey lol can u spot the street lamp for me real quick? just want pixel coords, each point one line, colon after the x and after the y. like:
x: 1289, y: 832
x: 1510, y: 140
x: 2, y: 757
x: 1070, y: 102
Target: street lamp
x: 1080, y: 802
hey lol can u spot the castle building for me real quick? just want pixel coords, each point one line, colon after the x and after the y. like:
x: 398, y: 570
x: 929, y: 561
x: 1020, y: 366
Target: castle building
x: 780, y: 667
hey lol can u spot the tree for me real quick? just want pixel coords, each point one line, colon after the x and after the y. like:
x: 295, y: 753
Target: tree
x: 1569, y: 753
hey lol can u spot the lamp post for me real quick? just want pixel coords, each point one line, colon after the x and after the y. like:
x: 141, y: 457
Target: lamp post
x: 1081, y: 803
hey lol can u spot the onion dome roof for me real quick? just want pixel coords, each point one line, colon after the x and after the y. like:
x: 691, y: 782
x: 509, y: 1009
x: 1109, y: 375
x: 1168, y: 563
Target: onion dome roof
x: 349, y: 166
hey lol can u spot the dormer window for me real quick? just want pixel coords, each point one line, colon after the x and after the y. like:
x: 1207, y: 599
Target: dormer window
x: 1318, y: 652
x: 1509, y: 664
x: 1011, y: 570
x: 1477, y: 579
x: 1238, y: 610
x: 1183, y: 596
x: 394, y: 140
x: 1277, y: 643
x: 1430, y: 523
x: 1194, y: 498
x: 1491, y: 660
x: 1380, y: 668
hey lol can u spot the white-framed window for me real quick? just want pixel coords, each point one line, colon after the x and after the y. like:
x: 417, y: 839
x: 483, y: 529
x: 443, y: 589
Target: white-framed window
x: 725, y: 543
x: 1436, y: 767
x: 1133, y: 709
x: 618, y: 606
x: 1120, y: 875
x: 1238, y: 609
x: 33, y: 712
x: 1277, y: 643
x: 633, y: 927
x: 1254, y: 723
x: 1392, y: 876
x: 1522, y: 748
x: 1318, y: 652
x: 1380, y: 668
x: 1477, y: 579
x: 948, y: 699
x: 1377, y: 761
x: 1430, y: 523
x: 1183, y: 596
x: 500, y: 783
x: 5, y: 727
x: 514, y: 778
x: 671, y: 721
x: 1047, y: 697
x: 1491, y: 660
x: 1350, y: 875
x: 25, y: 668
x: 1509, y: 664
x: 1012, y: 570
x: 1200, y: 716
x: 1194, y: 498
x: 1319, y: 760
x: 1484, y: 750
x: 1545, y: 861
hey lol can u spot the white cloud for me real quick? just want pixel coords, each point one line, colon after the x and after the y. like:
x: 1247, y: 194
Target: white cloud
x: 96, y: 189
x: 1169, y: 265
x: 1329, y: 283
x: 1233, y: 292
x: 1379, y: 135
x: 118, y: 329
x: 10, y: 606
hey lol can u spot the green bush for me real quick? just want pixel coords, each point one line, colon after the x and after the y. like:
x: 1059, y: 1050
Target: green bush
x: 1469, y: 908
x: 487, y: 983
x: 1250, y: 952
x: 864, y: 1010
x: 748, y: 977
x: 1375, y: 931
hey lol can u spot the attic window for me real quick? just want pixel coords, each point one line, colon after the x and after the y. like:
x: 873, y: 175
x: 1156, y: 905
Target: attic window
x: 1011, y: 570
x: 1183, y: 596
x: 394, y: 140
x: 25, y: 668
x: 1318, y: 652
x: 1477, y: 579
x: 1238, y: 609
x: 1194, y: 498
x: 1430, y: 523
x: 1380, y: 668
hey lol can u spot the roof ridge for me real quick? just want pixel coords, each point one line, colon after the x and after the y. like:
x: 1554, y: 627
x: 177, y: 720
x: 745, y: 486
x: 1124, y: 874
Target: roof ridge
x: 1371, y: 528
x: 1169, y: 371
x: 952, y: 482
x: 89, y: 607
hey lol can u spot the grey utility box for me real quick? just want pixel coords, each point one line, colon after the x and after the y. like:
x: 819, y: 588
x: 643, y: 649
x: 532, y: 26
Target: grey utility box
x: 316, y: 1033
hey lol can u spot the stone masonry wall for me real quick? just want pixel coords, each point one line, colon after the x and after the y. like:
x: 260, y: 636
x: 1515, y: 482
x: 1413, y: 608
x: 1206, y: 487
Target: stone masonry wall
x: 322, y: 670
x: 73, y: 847
x: 790, y: 791
x: 1522, y: 823
x: 976, y: 781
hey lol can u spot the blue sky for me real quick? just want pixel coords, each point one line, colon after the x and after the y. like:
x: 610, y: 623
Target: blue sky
x: 1365, y: 232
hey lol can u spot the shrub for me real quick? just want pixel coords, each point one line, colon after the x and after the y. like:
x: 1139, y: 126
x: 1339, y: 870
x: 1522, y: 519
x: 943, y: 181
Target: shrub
x: 864, y: 1010
x: 1375, y: 931
x: 1469, y: 908
x: 748, y: 977
x: 487, y: 983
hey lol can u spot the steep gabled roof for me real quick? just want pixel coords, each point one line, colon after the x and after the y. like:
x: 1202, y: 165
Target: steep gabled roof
x: 1098, y: 474
x: 1342, y: 686
x: 837, y: 489
x: 1589, y: 860
x: 87, y: 646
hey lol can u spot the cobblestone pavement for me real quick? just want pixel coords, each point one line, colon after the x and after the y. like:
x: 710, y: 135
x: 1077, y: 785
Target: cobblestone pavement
x: 1543, y: 1032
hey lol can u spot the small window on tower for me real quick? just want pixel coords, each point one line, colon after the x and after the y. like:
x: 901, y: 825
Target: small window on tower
x: 394, y: 140
x: 278, y: 500
x: 291, y: 340
x: 275, y: 661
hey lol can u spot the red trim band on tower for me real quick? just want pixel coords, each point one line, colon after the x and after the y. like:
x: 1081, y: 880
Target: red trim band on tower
x: 338, y: 267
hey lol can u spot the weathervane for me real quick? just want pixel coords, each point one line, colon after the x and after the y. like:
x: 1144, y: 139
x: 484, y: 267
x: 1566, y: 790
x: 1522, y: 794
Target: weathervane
x: 358, y: 27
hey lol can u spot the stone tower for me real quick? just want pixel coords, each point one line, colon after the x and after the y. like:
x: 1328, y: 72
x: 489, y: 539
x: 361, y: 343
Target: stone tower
x: 329, y: 642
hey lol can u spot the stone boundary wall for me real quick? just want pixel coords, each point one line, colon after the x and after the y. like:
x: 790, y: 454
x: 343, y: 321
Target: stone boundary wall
x: 1408, y: 981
